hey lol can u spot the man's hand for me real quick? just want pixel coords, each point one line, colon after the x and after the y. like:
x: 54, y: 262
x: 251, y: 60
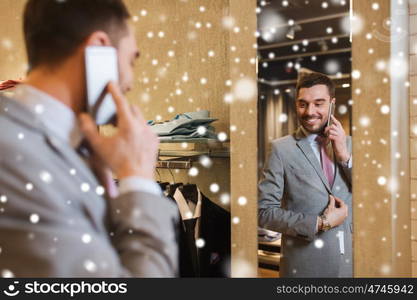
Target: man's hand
x: 336, y: 212
x: 336, y: 134
x: 133, y: 150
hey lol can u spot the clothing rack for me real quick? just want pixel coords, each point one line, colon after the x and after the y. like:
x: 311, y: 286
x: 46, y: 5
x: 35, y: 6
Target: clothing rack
x: 174, y: 164
x: 190, y: 154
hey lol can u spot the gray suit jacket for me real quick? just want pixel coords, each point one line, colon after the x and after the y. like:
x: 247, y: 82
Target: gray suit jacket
x: 79, y: 233
x: 293, y: 192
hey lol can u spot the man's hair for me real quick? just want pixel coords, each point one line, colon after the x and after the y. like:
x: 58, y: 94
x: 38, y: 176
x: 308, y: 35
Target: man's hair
x: 311, y: 79
x: 54, y: 29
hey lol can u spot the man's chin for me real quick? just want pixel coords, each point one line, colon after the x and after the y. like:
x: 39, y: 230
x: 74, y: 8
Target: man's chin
x: 313, y: 129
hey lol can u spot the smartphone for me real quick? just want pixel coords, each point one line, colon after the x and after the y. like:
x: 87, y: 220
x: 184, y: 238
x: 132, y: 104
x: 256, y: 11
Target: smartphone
x: 101, y: 67
x: 331, y: 113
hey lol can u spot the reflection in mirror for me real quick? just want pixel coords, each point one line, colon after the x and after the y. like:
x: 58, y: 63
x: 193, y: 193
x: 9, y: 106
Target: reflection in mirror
x: 305, y: 162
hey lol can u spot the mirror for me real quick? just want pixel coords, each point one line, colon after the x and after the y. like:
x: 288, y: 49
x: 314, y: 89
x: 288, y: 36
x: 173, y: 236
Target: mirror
x: 297, y: 170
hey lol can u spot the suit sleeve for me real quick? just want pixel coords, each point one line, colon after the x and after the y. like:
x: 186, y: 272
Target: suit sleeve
x: 347, y: 169
x: 61, y: 241
x: 271, y: 215
x: 144, y: 234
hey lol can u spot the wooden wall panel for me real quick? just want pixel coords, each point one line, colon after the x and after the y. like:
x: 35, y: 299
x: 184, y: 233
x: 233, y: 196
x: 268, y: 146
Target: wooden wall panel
x: 381, y: 219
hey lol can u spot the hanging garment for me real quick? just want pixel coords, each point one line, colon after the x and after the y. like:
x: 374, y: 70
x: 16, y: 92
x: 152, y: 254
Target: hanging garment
x: 208, y: 225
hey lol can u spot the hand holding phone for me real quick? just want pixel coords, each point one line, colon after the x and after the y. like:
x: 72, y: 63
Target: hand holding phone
x: 133, y: 150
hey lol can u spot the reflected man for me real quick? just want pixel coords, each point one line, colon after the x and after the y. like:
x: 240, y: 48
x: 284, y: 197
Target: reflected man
x: 305, y: 179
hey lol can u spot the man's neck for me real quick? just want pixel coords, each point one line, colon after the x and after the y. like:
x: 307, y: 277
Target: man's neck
x: 63, y: 87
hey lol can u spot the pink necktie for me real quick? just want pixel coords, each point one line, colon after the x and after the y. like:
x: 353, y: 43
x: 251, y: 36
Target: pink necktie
x: 326, y: 162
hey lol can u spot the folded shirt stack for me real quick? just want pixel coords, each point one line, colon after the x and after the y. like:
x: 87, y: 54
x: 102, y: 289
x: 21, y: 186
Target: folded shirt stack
x: 186, y: 126
x: 265, y: 235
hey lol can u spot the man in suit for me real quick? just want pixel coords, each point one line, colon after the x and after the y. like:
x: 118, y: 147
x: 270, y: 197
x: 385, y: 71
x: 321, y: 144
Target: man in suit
x: 61, y: 214
x: 307, y: 176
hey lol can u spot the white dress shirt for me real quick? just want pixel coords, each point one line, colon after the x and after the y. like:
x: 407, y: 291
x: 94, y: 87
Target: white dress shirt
x: 62, y: 121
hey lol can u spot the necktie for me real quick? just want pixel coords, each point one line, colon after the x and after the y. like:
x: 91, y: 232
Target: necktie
x: 326, y: 162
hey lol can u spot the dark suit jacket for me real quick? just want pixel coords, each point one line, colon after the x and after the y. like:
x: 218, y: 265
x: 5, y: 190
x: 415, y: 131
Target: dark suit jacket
x: 212, y: 260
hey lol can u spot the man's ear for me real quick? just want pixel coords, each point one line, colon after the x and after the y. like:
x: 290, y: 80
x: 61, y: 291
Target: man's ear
x: 98, y: 38
x: 333, y: 100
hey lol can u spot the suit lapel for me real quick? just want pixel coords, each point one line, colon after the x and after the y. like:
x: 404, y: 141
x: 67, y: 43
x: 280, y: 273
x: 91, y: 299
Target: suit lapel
x: 22, y: 115
x: 305, y: 147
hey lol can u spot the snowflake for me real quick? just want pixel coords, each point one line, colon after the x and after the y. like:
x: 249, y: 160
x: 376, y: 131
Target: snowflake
x: 245, y: 89
x: 29, y: 186
x: 45, y: 176
x: 85, y: 187
x: 225, y: 198
x: 222, y: 136
x: 193, y: 172
x: 34, y: 218
x: 200, y: 243
x: 318, y: 243
x: 100, y: 190
x: 90, y: 266
x: 228, y: 22
x: 242, y: 201
x: 214, y: 188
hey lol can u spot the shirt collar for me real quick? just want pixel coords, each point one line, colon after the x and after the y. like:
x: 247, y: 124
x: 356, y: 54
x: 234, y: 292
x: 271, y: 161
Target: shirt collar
x: 55, y: 116
x: 184, y: 207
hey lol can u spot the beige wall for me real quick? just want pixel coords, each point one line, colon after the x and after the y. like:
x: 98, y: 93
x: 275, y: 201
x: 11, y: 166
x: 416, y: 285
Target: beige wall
x: 243, y: 116
x: 175, y: 47
x: 413, y: 132
x: 13, y: 59
x: 381, y: 213
x: 156, y: 85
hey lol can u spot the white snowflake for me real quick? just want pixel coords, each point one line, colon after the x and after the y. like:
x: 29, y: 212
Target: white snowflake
x: 34, y: 218
x: 193, y: 172
x: 200, y: 243
x: 222, y: 136
x: 90, y: 266
x: 29, y: 186
x: 242, y: 201
x: 100, y: 190
x: 86, y: 238
x: 205, y: 161
x: 245, y: 89
x: 225, y: 198
x: 85, y: 187
x: 318, y: 243
x: 214, y: 188
x: 45, y: 176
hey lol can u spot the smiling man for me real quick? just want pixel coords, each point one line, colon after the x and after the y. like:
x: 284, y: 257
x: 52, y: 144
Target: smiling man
x: 306, y: 190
